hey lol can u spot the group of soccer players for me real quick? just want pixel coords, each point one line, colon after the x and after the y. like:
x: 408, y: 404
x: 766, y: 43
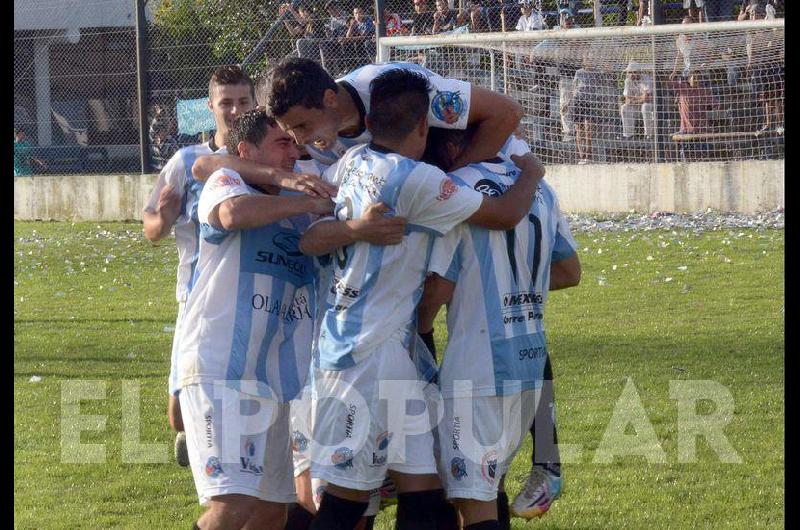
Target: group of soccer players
x: 303, y: 365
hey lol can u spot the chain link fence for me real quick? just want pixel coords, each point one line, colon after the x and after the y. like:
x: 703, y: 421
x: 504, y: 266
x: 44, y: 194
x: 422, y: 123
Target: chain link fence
x: 76, y: 107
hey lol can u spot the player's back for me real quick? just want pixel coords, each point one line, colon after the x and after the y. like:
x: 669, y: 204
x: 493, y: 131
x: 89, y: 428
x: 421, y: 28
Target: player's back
x: 496, y: 315
x: 375, y: 288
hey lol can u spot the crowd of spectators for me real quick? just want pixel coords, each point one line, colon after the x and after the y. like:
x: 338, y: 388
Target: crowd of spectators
x: 354, y: 30
x: 348, y: 40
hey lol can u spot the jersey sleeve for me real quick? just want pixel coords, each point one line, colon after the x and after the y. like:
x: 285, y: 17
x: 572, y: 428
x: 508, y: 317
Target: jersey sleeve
x: 446, y: 254
x: 450, y: 103
x: 514, y: 146
x: 434, y: 202
x: 564, y: 245
x: 222, y: 185
x: 173, y: 174
x: 626, y: 91
x: 330, y: 174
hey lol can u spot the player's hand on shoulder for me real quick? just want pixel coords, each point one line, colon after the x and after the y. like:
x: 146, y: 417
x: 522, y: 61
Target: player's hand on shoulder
x: 377, y: 228
x: 529, y: 161
x: 309, y: 184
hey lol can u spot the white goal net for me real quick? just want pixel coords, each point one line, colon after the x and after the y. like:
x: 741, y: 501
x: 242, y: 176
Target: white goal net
x: 688, y: 92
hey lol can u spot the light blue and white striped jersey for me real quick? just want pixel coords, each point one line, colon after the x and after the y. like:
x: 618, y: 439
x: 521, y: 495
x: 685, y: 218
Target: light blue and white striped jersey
x: 495, y: 320
x: 249, y: 317
x: 449, y: 105
x: 375, y: 289
x: 323, y: 269
x: 178, y: 174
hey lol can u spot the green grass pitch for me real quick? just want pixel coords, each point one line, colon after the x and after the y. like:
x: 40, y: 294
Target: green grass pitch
x: 96, y: 302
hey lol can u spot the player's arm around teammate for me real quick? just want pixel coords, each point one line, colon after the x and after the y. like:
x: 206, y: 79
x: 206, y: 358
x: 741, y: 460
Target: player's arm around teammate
x: 262, y: 175
x: 494, y: 213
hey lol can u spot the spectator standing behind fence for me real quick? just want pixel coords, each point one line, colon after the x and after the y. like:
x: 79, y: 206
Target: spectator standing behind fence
x: 475, y: 15
x: 394, y: 24
x: 643, y: 17
x: 357, y: 44
x: 334, y: 30
x: 23, y: 155
x: 586, y: 102
x: 687, y: 45
x: 638, y: 93
x: 162, y: 139
x: 304, y: 26
x: 695, y: 102
x: 444, y: 18
x: 423, y: 18
x: 696, y: 9
x: 502, y: 14
x: 566, y: 19
x: 766, y: 72
x: 769, y: 8
x: 529, y: 19
x: 565, y: 82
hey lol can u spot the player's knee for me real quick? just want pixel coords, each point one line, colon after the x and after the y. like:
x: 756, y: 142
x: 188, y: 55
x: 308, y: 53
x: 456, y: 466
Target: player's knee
x: 232, y: 505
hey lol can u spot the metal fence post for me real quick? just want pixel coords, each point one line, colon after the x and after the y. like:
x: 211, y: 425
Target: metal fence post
x: 141, y: 85
x: 655, y: 12
x: 380, y: 28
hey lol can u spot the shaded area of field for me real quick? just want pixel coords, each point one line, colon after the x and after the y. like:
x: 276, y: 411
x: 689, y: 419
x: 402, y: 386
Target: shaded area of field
x: 96, y: 302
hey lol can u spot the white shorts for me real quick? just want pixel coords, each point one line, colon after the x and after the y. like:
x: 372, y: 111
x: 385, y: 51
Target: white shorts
x: 237, y: 443
x: 300, y: 422
x: 173, y: 362
x: 301, y: 450
x: 479, y: 437
x: 373, y: 417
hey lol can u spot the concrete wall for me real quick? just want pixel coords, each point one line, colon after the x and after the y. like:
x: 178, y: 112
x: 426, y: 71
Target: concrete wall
x: 748, y: 186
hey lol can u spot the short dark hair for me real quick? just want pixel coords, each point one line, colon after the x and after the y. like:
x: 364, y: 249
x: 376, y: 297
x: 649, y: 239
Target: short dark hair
x: 249, y: 127
x: 297, y: 81
x: 230, y: 75
x: 438, y: 138
x: 398, y: 100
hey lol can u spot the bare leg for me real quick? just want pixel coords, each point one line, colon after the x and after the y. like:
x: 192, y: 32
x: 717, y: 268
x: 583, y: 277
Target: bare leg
x: 174, y: 413
x: 475, y: 511
x: 305, y: 493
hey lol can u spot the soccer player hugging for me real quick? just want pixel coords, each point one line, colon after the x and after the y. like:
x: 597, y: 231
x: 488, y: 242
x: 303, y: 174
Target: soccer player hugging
x: 496, y: 379
x: 246, y: 352
x: 364, y: 374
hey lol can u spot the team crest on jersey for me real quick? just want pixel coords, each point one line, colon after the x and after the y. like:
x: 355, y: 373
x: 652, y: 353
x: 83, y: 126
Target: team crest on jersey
x: 299, y: 442
x: 213, y: 467
x: 447, y: 106
x: 318, y: 494
x: 383, y: 439
x: 489, y: 467
x: 458, y: 468
x: 446, y: 189
x: 342, y: 458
